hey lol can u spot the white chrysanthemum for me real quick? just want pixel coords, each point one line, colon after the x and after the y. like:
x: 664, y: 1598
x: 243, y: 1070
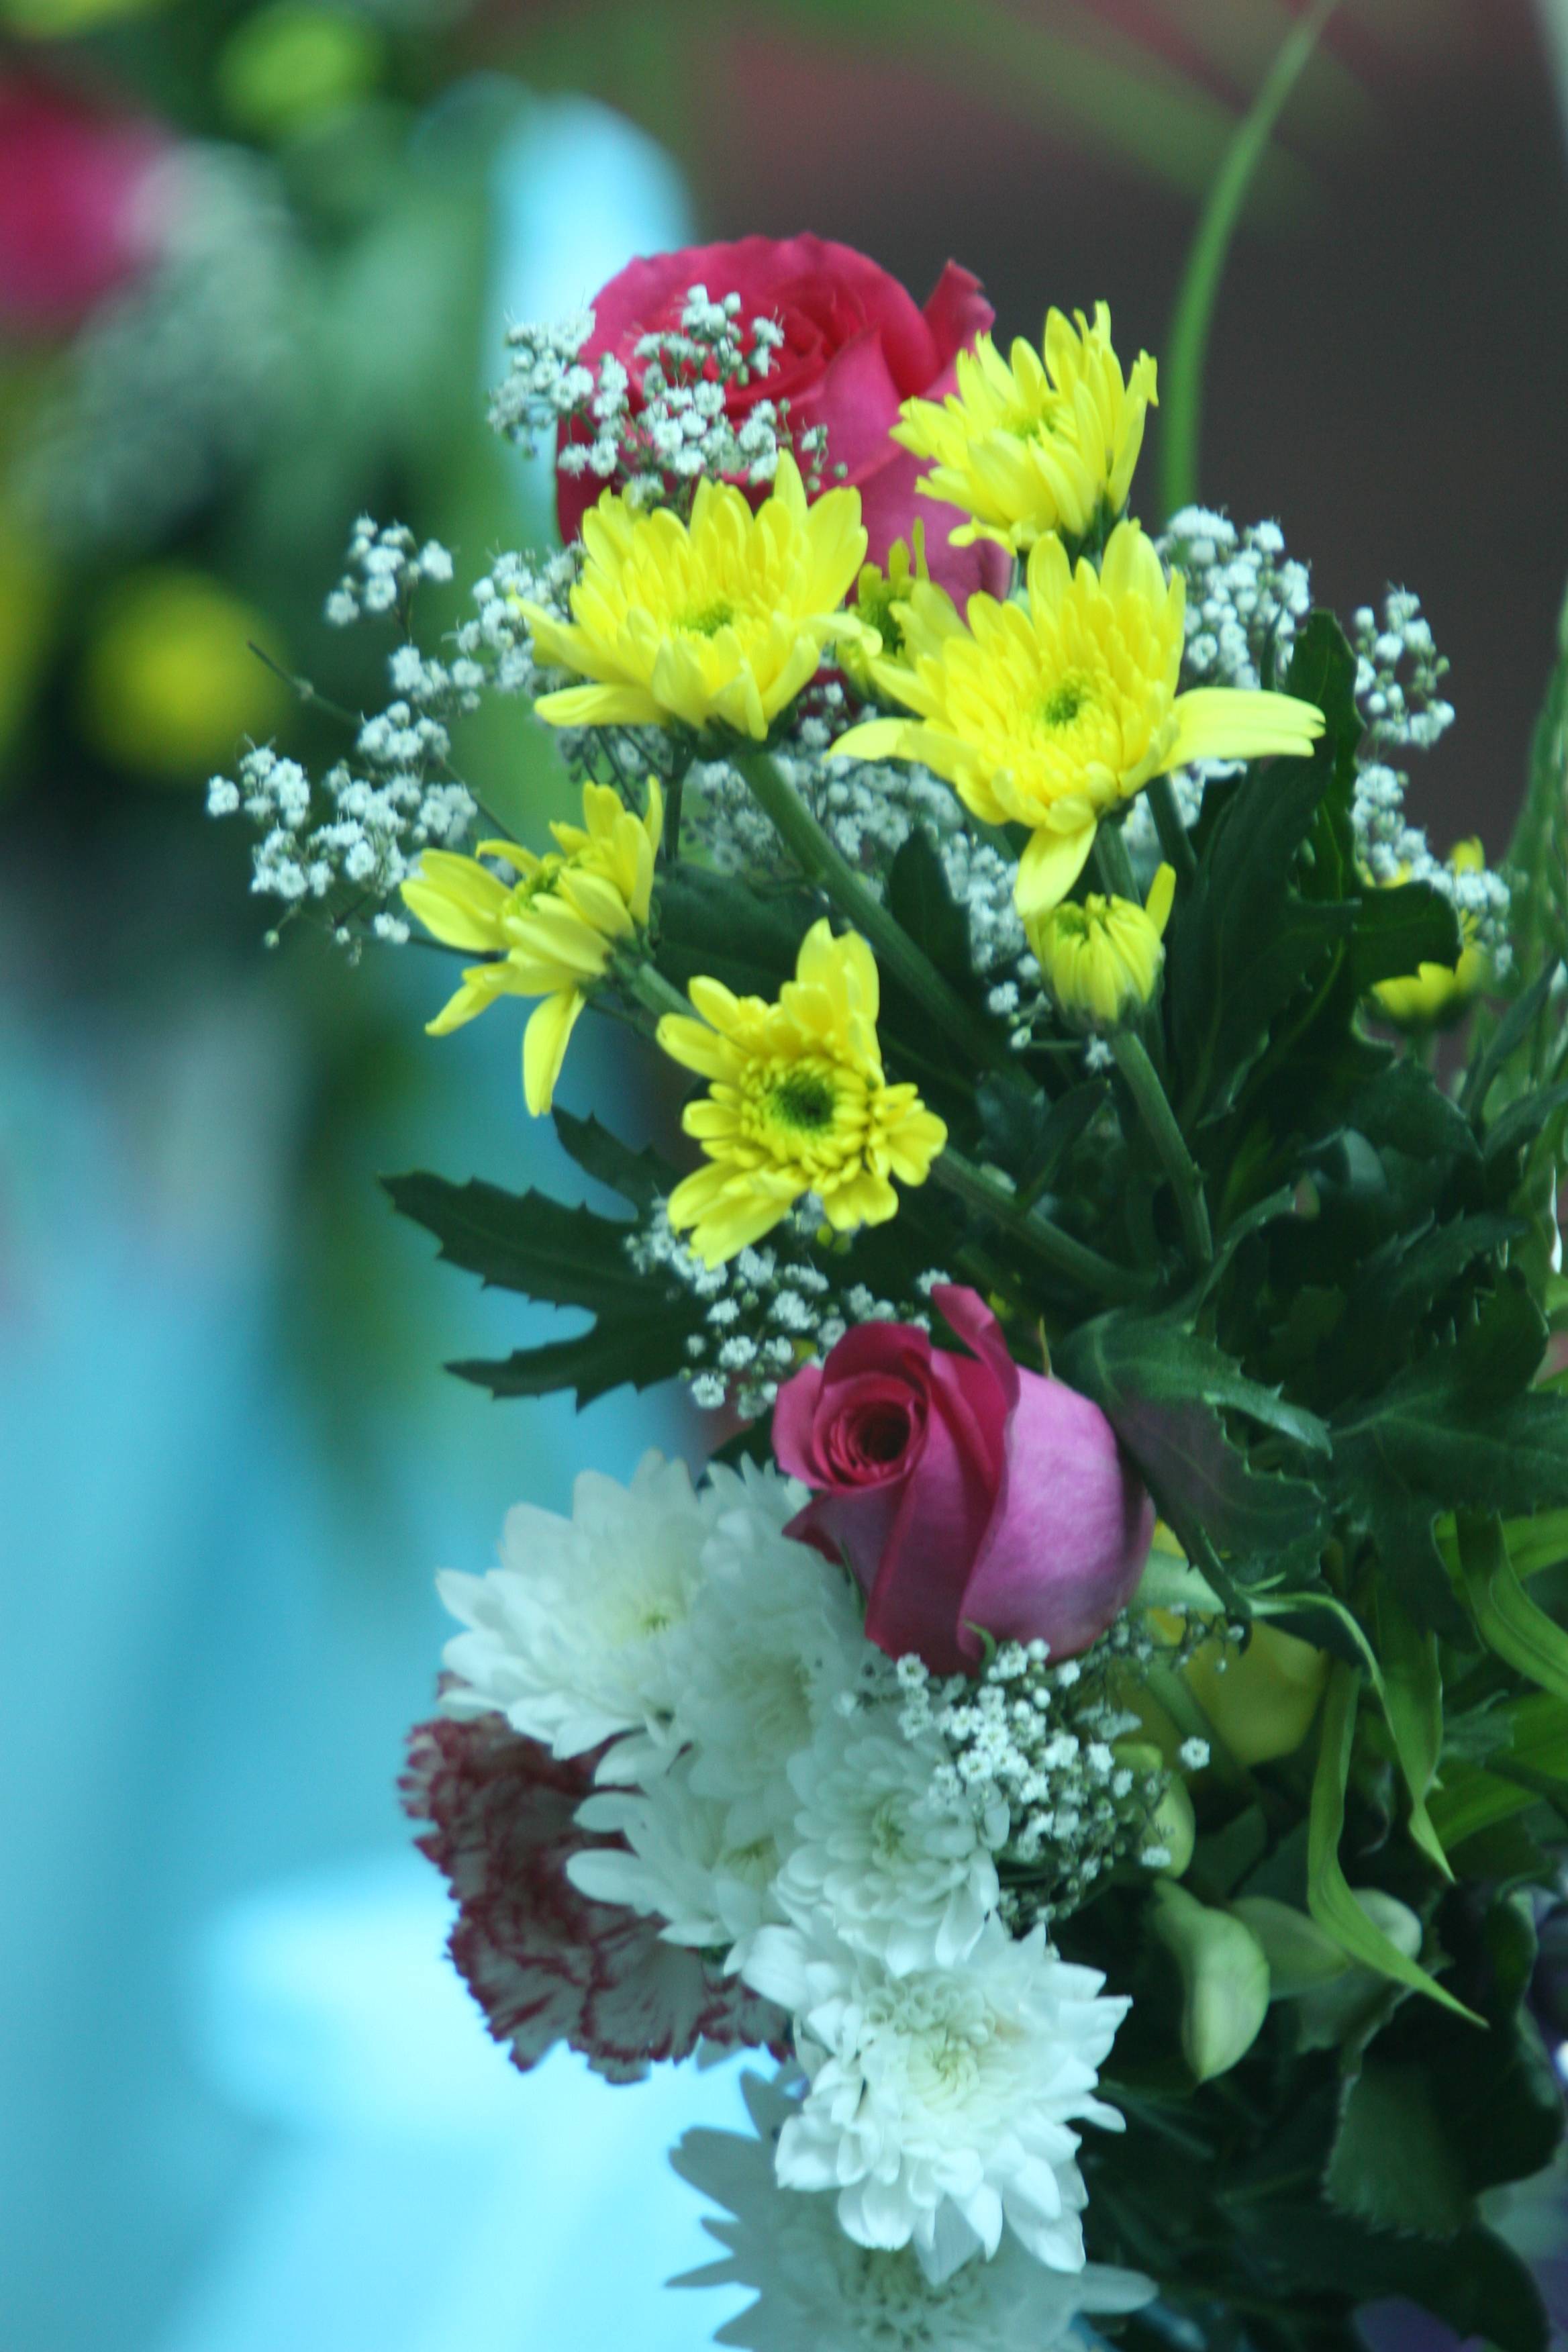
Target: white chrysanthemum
x: 940, y: 2104
x: 903, y: 1871
x: 819, y: 2291
x: 575, y: 1637
x: 772, y: 1637
x: 683, y: 1867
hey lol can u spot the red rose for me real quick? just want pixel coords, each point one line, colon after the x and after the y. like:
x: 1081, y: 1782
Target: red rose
x: 964, y: 1491
x: 74, y: 217
x: 854, y: 348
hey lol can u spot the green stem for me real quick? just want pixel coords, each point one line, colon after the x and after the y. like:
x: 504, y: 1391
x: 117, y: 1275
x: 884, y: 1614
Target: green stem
x: 1182, y: 413
x: 1154, y: 1110
x: 675, y: 787
x: 1111, y: 866
x: 1044, y: 1241
x: 649, y: 987
x: 1175, y: 842
x: 896, y: 953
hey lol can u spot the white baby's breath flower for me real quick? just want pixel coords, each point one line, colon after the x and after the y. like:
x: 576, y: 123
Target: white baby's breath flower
x: 940, y: 2103
x: 575, y: 1637
x: 817, y: 2291
x: 904, y: 1872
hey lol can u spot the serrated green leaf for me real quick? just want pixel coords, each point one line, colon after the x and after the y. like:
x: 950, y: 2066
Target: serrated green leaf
x: 614, y: 1352
x: 639, y: 1177
x: 717, y: 924
x: 1029, y: 1134
x: 1404, y: 1108
x: 524, y: 1242
x: 1507, y: 1619
x: 1329, y: 1896
x: 1397, y: 931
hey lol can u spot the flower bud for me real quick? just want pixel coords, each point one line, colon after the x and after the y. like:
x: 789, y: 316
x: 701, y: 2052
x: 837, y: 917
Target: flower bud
x: 1225, y: 1980
x: 1101, y: 960
x: 1306, y: 1965
x: 1261, y: 1700
x: 1435, y: 994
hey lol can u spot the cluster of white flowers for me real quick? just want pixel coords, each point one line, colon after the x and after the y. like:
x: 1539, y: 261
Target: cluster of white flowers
x: 768, y: 1308
x: 818, y: 2291
x: 176, y: 379
x: 1040, y: 1751
x: 657, y: 437
x: 1398, y: 673
x: 386, y: 565
x: 779, y: 1806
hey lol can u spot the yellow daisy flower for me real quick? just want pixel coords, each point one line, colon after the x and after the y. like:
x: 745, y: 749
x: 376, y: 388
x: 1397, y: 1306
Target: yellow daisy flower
x: 1436, y: 993
x: 1102, y: 960
x: 550, y: 934
x: 1041, y: 444
x: 719, y: 622
x: 797, y: 1103
x: 1053, y: 716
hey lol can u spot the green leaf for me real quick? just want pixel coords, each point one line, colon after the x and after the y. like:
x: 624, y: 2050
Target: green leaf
x: 560, y: 1256
x: 641, y: 1177
x: 1247, y: 941
x: 1329, y: 1896
x: 1164, y: 1389
x: 1413, y: 1704
x: 1474, y: 1795
x: 1519, y: 1124
x: 611, y: 1355
x: 1399, y: 930
x: 526, y: 1241
x: 1404, y: 1108
x: 1507, y: 1619
x: 920, y: 900
x: 1512, y: 1030
x: 1393, y: 2164
x: 715, y: 923
x: 1029, y: 1134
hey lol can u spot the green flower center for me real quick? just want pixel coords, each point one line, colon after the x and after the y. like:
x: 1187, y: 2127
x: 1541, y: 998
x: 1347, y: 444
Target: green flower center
x: 1062, y: 705
x: 804, y: 1098
x: 709, y: 619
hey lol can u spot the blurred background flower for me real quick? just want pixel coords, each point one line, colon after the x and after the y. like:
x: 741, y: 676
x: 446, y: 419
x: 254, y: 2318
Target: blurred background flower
x: 255, y: 265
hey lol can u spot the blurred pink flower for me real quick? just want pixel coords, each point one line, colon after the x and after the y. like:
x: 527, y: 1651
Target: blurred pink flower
x: 75, y: 221
x: 544, y: 1964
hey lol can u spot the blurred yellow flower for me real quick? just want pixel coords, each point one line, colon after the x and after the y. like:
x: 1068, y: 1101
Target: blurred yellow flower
x: 720, y: 622
x: 1102, y: 960
x: 170, y: 682
x: 295, y: 63
x: 552, y: 933
x: 1436, y: 993
x: 1053, y: 716
x: 1043, y: 444
x: 797, y: 1103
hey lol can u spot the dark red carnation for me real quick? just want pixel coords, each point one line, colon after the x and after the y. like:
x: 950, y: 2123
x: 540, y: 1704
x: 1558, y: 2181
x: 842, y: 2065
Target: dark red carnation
x: 544, y: 1964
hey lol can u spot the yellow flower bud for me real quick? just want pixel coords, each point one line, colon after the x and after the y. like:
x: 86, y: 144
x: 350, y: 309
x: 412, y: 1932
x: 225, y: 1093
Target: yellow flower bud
x: 1435, y: 994
x: 1225, y: 1980
x: 1101, y: 960
x: 878, y: 597
x: 1261, y: 1700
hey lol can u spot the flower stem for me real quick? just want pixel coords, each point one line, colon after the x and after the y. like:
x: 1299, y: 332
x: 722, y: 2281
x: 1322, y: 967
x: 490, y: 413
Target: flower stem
x: 896, y: 953
x: 1176, y: 845
x: 649, y: 987
x: 1154, y: 1110
x: 1036, y: 1235
x: 1112, y: 867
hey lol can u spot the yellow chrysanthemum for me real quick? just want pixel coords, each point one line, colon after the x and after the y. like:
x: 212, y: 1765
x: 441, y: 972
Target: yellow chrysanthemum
x: 1053, y: 716
x: 552, y: 933
x: 1044, y: 444
x: 879, y: 596
x: 719, y: 622
x: 1101, y: 960
x: 1435, y: 994
x: 797, y: 1103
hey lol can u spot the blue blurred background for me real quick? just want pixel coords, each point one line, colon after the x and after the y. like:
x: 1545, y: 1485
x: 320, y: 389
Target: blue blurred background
x: 255, y: 263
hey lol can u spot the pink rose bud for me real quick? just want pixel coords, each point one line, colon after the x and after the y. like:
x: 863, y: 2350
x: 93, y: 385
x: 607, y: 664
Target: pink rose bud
x: 964, y: 1491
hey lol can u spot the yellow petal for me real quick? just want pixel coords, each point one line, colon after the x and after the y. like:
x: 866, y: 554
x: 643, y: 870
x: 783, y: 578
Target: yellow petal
x: 1049, y: 866
x: 544, y: 1042
x: 1161, y: 893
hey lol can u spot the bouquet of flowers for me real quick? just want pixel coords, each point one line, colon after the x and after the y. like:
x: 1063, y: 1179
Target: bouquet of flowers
x: 1095, y: 1724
